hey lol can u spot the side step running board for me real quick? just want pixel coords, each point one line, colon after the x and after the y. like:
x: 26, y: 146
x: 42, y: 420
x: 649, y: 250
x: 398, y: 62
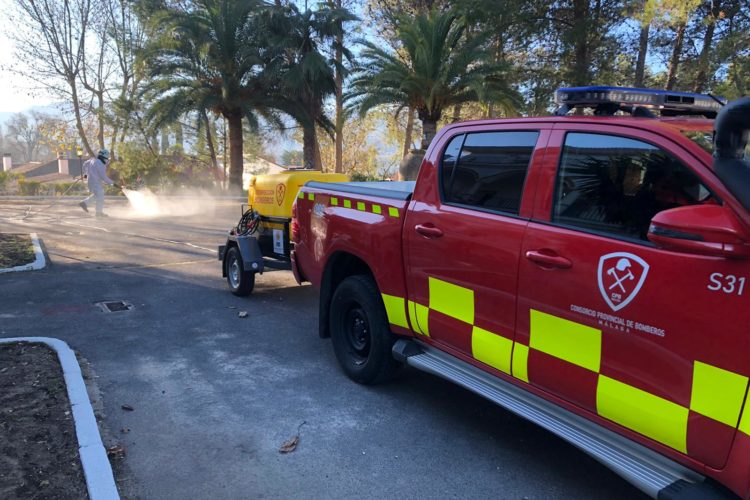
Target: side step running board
x: 652, y: 473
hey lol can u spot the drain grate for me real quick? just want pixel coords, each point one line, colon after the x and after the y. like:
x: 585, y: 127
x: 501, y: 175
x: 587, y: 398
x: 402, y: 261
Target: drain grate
x: 110, y: 306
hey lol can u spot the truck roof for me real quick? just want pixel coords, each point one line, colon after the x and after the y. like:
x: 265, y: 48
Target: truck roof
x: 696, y: 133
x: 674, y: 123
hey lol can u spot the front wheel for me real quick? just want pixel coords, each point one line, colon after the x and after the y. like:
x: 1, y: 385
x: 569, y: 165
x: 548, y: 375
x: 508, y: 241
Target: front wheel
x: 362, y: 339
x: 240, y: 282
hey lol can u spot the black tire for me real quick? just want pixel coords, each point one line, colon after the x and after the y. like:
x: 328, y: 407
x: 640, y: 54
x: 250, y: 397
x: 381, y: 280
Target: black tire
x: 240, y: 282
x: 362, y: 339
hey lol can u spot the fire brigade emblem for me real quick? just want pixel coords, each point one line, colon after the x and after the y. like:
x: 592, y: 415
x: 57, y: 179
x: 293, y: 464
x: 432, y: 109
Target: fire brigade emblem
x: 280, y: 191
x: 621, y: 276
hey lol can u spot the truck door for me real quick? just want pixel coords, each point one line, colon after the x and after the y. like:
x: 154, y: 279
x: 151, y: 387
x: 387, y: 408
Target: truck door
x: 650, y: 340
x: 463, y: 235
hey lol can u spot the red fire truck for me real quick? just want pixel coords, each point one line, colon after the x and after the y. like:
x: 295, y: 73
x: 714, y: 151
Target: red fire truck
x: 586, y: 271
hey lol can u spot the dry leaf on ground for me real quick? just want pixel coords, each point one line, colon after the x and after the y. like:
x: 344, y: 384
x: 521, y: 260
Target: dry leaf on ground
x: 290, y: 445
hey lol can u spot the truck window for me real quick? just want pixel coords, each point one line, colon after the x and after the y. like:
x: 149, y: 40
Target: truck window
x: 615, y: 185
x: 490, y: 170
x: 450, y: 156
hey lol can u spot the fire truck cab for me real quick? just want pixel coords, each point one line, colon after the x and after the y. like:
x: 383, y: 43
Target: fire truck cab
x: 587, y: 272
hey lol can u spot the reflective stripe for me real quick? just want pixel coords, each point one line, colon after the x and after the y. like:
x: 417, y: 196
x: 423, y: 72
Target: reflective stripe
x: 717, y: 393
x: 310, y: 196
x: 650, y: 415
x: 301, y: 195
x: 360, y: 206
x: 347, y: 203
x: 566, y: 340
x: 491, y: 349
x: 376, y: 209
x: 422, y: 315
x: 334, y: 202
x: 452, y: 300
x: 393, y: 212
x: 521, y: 362
x: 745, y: 421
x: 395, y: 309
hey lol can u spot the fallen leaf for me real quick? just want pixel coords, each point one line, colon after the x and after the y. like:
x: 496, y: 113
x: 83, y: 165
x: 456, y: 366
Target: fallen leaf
x: 242, y: 314
x: 290, y: 445
x: 116, y: 451
x: 127, y: 408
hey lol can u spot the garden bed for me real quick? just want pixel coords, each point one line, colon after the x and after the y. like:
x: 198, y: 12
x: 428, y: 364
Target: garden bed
x: 38, y: 444
x: 15, y: 250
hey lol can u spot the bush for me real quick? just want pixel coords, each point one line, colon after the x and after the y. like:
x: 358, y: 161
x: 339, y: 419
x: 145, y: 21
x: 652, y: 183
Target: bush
x: 137, y: 161
x: 5, y: 178
x: 69, y: 188
x: 29, y: 188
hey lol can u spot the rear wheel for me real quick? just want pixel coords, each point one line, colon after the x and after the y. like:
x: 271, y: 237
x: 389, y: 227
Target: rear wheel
x: 361, y: 337
x: 240, y: 282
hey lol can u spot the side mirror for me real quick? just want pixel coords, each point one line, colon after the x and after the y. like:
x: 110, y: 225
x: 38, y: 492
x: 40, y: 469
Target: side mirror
x: 700, y: 229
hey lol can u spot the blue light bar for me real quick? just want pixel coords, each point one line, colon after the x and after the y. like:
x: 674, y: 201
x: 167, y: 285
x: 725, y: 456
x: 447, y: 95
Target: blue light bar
x: 667, y: 102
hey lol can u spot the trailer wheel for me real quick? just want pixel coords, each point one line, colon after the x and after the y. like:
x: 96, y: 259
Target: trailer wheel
x: 240, y: 282
x: 362, y: 339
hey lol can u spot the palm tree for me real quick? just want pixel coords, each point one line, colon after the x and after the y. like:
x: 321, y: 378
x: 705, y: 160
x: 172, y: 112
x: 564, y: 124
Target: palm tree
x: 211, y: 58
x: 307, y: 74
x: 436, y: 66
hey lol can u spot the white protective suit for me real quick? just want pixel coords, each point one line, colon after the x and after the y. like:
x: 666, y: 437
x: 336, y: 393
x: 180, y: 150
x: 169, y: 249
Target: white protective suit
x: 97, y: 175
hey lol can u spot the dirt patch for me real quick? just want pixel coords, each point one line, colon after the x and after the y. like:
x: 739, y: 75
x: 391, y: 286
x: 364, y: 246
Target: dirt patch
x: 38, y: 446
x: 15, y: 250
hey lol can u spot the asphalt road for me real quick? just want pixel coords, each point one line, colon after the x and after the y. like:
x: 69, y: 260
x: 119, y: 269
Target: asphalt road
x: 215, y: 395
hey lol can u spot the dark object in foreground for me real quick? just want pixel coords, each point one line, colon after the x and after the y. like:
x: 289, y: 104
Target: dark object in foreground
x: 37, y: 435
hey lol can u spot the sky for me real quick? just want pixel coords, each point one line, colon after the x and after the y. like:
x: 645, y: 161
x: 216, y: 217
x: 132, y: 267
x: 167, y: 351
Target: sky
x: 15, y: 90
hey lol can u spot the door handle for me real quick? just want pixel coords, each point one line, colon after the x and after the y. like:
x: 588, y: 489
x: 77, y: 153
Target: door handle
x: 428, y: 230
x: 548, y: 261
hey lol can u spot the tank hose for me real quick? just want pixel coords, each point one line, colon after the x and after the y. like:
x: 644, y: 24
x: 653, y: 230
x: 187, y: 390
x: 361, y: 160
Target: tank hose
x: 248, y: 224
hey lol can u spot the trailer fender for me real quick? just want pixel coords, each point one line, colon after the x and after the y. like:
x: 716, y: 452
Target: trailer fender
x: 252, y: 257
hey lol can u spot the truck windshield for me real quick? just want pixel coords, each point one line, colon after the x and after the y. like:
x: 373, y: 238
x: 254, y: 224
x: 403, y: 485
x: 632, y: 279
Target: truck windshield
x: 705, y: 139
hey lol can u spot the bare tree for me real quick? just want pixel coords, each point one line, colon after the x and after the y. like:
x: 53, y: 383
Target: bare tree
x: 126, y: 38
x: 50, y: 36
x: 25, y: 134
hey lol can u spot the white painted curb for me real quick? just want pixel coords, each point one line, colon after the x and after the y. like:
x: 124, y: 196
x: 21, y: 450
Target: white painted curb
x: 39, y: 260
x: 96, y: 468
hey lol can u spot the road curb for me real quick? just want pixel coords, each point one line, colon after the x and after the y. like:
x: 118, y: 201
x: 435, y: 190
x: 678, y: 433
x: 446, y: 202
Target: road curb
x: 100, y: 481
x: 39, y: 260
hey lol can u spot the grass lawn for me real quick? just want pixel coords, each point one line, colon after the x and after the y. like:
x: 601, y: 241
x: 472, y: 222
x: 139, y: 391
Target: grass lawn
x: 15, y: 250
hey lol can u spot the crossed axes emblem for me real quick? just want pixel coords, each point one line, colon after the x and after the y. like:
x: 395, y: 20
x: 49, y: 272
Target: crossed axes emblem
x: 622, y: 265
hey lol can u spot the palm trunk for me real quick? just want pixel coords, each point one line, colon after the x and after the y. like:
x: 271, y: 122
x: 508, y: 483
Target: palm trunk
x: 339, y: 97
x: 234, y: 122
x: 308, y: 146
x: 640, y: 65
x: 164, y: 142
x: 179, y: 137
x: 429, y: 128
x: 409, y: 131
x: 318, y: 159
x: 210, y: 142
x: 674, y: 61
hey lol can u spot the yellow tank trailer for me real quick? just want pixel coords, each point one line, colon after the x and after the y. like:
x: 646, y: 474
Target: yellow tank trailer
x: 273, y: 195
x: 261, y: 238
